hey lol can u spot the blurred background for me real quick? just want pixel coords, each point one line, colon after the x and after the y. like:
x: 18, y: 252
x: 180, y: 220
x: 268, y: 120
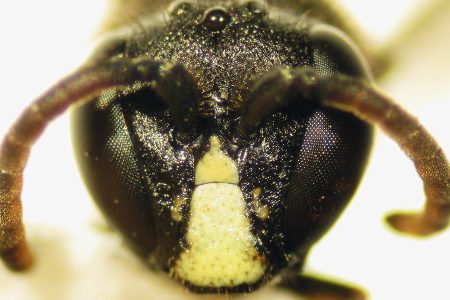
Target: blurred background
x: 78, y: 258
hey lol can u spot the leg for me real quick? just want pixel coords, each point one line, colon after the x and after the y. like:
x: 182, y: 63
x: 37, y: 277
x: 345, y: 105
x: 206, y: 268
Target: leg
x: 360, y: 98
x: 83, y: 85
x: 319, y: 289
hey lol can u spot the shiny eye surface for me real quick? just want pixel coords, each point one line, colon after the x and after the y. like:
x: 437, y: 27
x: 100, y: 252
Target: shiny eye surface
x: 334, y: 52
x: 215, y: 19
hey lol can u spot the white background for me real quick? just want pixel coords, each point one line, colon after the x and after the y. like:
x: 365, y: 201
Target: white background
x: 76, y: 258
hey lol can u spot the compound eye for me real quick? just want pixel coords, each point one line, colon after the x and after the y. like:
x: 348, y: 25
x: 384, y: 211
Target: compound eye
x: 178, y: 8
x: 334, y: 52
x: 216, y: 18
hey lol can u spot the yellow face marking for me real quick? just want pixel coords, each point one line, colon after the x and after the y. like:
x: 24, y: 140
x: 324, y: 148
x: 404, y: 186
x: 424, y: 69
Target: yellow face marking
x: 176, y: 209
x: 261, y: 210
x: 222, y: 249
x: 216, y: 166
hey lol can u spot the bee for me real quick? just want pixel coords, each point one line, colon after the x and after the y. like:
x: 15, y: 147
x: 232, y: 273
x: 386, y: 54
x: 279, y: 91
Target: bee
x: 349, y: 243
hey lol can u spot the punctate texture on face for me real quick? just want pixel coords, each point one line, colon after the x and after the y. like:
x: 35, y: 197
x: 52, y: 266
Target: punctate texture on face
x: 218, y: 209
